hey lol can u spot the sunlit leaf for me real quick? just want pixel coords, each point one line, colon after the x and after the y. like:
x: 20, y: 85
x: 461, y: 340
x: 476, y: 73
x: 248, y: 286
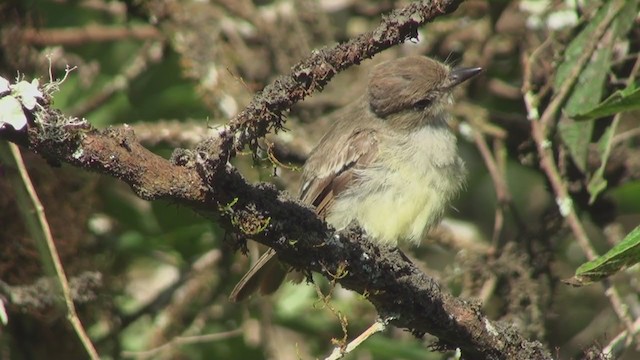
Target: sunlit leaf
x: 625, y: 254
x: 620, y: 101
x: 588, y: 90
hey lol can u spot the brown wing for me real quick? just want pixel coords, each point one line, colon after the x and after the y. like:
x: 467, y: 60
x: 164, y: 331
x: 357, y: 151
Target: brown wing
x: 328, y: 171
x: 330, y: 168
x: 266, y: 274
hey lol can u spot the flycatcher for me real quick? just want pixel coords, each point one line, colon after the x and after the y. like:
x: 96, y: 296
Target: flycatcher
x: 388, y: 162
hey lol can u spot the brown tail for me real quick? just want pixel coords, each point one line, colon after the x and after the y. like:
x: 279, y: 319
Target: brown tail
x: 267, y: 274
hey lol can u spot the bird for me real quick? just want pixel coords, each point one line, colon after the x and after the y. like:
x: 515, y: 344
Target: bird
x: 388, y: 162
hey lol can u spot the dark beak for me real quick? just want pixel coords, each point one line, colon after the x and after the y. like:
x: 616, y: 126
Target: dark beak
x: 460, y: 75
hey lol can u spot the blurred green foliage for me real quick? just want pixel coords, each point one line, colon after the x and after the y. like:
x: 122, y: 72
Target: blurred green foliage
x: 147, y: 250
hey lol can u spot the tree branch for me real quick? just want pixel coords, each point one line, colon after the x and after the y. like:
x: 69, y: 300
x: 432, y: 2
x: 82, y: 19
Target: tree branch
x: 203, y: 179
x: 264, y: 113
x: 402, y: 294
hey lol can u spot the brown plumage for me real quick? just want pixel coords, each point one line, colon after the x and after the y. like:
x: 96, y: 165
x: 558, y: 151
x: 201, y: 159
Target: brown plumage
x: 387, y: 162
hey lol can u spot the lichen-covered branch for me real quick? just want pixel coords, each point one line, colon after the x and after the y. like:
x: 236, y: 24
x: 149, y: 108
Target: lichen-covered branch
x: 402, y: 294
x: 264, y: 113
x: 203, y: 179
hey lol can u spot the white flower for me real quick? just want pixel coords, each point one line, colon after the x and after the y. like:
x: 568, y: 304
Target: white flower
x: 27, y: 92
x: 11, y: 113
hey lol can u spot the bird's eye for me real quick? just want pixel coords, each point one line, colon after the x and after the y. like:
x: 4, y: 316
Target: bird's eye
x: 422, y: 104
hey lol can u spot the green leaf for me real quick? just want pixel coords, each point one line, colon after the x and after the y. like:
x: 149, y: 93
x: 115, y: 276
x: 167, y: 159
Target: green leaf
x: 587, y: 92
x: 620, y: 101
x: 589, y: 88
x: 577, y: 137
x: 576, y: 47
x: 625, y: 254
x: 597, y: 182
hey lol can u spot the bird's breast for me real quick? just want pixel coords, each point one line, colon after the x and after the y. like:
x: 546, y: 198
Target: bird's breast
x: 405, y: 190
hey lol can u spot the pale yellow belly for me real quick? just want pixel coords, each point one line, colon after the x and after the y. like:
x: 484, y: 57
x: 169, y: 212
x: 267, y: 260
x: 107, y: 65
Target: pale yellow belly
x: 398, y: 204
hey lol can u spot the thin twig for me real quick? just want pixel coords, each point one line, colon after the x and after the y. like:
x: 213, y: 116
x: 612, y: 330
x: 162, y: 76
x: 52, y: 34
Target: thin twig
x: 89, y: 34
x: 45, y: 292
x: 166, y: 306
x: 479, y: 127
x: 567, y: 210
x: 33, y: 213
x: 539, y: 130
x: 149, y: 53
x: 340, y: 352
x: 181, y: 341
x: 620, y: 343
x: 629, y: 134
x: 499, y: 183
x: 326, y: 301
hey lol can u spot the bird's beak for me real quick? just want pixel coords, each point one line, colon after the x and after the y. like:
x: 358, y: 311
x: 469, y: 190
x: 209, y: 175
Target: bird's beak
x: 460, y: 75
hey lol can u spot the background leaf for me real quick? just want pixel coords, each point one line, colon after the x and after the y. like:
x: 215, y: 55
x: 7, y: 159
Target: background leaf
x: 625, y: 254
x: 627, y: 99
x: 587, y: 92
